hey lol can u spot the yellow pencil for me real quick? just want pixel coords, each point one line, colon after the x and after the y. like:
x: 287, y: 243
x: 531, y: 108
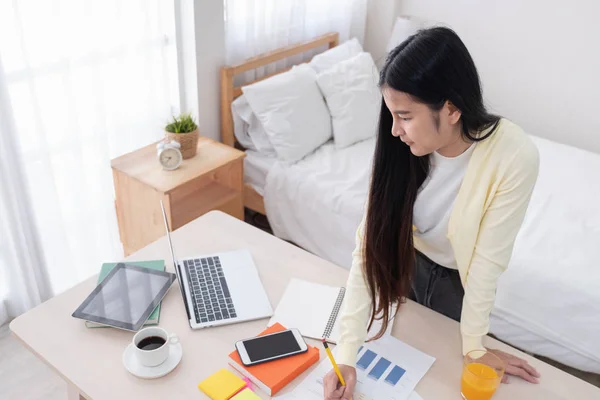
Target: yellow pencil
x: 335, y: 366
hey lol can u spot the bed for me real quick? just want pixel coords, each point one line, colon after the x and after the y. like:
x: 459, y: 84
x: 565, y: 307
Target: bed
x: 253, y: 199
x: 548, y: 301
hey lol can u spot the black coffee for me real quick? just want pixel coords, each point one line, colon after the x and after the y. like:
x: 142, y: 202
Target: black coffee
x: 151, y: 343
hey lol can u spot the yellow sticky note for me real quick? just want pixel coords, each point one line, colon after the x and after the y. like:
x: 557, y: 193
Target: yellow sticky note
x: 246, y: 394
x: 221, y: 385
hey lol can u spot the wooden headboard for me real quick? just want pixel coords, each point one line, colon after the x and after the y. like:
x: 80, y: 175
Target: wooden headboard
x: 230, y: 92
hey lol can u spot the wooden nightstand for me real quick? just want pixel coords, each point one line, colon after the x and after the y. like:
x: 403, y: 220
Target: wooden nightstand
x: 212, y: 180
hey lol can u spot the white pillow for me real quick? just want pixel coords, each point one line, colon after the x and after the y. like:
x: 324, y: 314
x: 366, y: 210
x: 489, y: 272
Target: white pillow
x: 353, y: 97
x: 240, y: 126
x: 247, y: 128
x: 329, y: 58
x: 292, y: 111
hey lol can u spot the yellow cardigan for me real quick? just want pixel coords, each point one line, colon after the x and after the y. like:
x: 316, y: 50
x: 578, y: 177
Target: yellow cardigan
x: 486, y: 217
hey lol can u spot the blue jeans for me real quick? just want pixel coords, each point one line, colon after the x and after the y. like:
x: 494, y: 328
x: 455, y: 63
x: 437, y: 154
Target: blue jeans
x: 437, y: 287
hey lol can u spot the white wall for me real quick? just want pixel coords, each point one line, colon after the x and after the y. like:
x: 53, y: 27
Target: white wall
x: 381, y: 15
x: 210, y: 57
x: 539, y: 61
x: 185, y: 32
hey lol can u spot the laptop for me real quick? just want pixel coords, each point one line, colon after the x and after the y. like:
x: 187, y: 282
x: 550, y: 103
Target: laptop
x: 221, y: 288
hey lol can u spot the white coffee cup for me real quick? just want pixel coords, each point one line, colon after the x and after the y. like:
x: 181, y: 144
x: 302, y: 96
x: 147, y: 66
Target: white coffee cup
x: 157, y: 355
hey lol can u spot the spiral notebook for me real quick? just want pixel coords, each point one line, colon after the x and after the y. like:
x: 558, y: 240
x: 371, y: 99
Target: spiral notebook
x: 314, y: 309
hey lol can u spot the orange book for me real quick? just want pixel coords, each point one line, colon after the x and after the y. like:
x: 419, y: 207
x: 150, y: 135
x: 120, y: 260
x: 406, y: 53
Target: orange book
x: 272, y: 376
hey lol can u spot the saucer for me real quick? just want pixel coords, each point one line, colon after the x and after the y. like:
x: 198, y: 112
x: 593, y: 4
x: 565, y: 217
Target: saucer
x: 132, y: 364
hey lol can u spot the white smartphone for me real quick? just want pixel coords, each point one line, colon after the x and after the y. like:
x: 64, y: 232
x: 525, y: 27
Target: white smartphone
x: 271, y: 347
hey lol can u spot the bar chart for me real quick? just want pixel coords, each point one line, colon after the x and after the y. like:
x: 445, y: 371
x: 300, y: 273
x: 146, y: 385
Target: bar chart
x: 386, y: 369
x: 379, y: 368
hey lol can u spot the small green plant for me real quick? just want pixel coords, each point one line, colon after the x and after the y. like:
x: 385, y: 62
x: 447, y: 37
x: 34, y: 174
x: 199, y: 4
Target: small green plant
x: 184, y: 123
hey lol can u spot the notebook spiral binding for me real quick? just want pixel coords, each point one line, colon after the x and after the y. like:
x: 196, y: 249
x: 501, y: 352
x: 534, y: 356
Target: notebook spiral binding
x: 334, y: 313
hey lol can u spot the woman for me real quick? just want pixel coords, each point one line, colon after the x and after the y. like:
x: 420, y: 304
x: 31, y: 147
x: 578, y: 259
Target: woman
x: 449, y: 190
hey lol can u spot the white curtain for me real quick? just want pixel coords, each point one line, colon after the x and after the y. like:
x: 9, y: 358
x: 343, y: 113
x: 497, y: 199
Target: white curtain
x: 256, y: 26
x: 86, y: 81
x: 24, y: 281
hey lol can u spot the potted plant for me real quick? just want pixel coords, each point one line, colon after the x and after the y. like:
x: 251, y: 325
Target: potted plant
x: 184, y: 130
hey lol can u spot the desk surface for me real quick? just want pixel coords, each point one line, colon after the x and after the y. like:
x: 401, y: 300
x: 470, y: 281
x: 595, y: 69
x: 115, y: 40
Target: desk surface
x: 90, y: 359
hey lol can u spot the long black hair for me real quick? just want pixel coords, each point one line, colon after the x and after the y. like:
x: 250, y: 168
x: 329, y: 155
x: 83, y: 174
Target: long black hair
x: 433, y: 66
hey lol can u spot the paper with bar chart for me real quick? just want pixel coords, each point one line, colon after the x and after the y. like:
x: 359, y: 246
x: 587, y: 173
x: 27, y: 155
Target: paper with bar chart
x: 387, y: 369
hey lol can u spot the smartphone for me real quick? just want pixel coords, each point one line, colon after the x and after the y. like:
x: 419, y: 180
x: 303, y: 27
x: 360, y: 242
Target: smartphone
x: 271, y: 347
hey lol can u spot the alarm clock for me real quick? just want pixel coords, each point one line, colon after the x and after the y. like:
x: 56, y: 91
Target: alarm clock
x: 169, y: 155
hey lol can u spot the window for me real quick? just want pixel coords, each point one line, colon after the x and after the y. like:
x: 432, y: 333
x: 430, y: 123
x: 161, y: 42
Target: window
x: 87, y: 81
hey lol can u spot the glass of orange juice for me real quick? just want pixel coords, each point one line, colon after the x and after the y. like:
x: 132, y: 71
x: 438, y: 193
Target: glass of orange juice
x: 482, y: 373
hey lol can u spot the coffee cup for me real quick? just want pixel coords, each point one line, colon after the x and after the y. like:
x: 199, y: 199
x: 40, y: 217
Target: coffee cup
x: 152, y: 345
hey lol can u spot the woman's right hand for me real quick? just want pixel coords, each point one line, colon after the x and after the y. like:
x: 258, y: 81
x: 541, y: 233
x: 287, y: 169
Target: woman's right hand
x: 333, y: 388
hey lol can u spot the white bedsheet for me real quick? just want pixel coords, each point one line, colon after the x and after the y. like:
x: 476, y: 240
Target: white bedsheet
x: 552, y: 285
x: 256, y: 168
x: 548, y: 302
x: 318, y: 202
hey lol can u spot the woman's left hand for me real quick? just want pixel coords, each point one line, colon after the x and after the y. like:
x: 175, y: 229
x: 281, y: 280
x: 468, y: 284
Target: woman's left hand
x: 517, y: 367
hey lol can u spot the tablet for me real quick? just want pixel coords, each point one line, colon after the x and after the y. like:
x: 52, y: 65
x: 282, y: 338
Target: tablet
x: 126, y: 297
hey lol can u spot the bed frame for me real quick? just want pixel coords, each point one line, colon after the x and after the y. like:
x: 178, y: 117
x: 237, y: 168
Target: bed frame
x: 229, y: 92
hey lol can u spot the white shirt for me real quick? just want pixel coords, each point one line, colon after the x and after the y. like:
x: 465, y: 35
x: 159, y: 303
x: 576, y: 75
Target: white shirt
x: 434, y: 204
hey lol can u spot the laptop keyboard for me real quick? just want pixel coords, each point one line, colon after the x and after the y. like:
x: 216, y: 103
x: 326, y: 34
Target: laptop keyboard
x: 210, y: 293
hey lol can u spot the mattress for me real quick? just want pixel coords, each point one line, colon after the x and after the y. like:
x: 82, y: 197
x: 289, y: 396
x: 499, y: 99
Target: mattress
x: 551, y: 288
x: 548, y: 301
x: 318, y: 202
x: 256, y: 168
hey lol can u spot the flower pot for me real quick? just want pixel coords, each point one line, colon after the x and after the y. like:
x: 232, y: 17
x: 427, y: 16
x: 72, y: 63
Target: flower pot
x: 188, y: 142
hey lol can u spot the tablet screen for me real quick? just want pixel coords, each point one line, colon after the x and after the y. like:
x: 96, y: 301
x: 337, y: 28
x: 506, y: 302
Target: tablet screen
x: 126, y: 297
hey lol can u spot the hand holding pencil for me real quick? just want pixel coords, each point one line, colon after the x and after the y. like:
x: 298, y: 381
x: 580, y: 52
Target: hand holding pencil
x: 339, y: 383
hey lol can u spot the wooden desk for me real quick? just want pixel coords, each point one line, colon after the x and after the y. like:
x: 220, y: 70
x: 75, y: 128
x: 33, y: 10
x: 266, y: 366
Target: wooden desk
x: 90, y: 359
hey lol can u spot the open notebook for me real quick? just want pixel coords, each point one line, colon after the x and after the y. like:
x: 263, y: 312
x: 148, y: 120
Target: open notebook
x: 315, y: 309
